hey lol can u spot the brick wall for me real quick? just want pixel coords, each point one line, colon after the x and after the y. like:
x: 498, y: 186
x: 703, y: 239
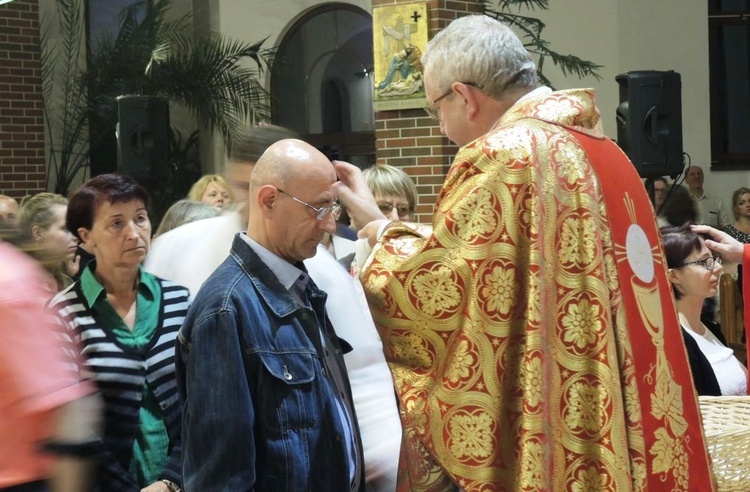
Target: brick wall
x: 409, y: 138
x: 22, y: 164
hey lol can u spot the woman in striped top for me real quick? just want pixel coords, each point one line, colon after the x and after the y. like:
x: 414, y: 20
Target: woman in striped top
x: 126, y: 321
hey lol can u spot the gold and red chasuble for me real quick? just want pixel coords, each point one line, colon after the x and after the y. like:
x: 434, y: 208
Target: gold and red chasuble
x: 531, y: 331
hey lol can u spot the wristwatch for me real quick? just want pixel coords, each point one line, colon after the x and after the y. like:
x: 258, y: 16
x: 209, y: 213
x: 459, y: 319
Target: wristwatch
x: 173, y: 487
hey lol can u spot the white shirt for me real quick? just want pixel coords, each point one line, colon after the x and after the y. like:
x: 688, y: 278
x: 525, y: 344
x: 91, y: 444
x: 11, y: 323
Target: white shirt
x: 710, y: 211
x: 730, y: 373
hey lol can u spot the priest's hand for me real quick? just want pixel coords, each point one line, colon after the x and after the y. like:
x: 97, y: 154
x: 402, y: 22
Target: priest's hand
x: 354, y: 194
x: 370, y: 231
x: 722, y: 243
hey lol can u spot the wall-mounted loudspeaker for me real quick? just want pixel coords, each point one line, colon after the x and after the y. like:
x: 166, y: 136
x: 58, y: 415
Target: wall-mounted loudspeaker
x: 649, y: 121
x: 142, y: 136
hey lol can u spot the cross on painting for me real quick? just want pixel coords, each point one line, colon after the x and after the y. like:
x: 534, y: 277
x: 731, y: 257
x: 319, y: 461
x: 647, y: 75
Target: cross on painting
x: 415, y: 16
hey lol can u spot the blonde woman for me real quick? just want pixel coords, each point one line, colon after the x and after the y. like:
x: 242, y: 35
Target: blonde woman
x: 42, y: 224
x: 740, y: 229
x: 212, y: 189
x: 394, y: 191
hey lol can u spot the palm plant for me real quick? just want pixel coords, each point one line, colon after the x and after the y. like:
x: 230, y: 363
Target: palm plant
x: 530, y: 29
x: 215, y: 78
x: 67, y: 117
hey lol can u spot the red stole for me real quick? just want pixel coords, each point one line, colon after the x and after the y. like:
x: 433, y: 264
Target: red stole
x: 669, y: 406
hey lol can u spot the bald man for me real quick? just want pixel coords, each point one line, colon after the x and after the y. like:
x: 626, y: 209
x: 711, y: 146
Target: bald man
x: 189, y: 254
x: 8, y: 210
x: 266, y: 397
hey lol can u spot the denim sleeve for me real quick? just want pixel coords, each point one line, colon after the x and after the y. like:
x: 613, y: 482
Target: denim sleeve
x: 218, y: 445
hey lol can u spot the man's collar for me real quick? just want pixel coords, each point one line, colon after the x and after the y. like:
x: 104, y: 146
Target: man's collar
x: 702, y: 196
x: 286, y: 272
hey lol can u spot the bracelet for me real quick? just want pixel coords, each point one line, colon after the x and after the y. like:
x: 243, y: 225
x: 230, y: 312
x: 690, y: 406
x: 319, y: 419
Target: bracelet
x: 173, y: 487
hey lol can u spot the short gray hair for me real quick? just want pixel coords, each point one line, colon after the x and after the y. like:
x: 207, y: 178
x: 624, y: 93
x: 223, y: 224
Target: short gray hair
x: 480, y: 50
x: 184, y: 211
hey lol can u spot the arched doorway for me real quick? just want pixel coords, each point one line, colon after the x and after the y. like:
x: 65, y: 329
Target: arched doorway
x: 321, y: 82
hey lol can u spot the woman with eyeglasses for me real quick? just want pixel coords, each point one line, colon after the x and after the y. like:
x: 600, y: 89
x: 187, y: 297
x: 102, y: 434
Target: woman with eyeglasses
x: 394, y: 191
x: 694, y: 274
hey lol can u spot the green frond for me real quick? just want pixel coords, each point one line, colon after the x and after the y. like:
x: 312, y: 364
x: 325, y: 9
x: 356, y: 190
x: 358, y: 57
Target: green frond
x: 571, y: 64
x: 48, y: 57
x: 211, y: 78
x: 508, y: 5
x: 216, y: 78
x: 530, y: 26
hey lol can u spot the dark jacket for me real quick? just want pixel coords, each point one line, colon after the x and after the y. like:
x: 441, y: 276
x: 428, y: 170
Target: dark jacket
x: 259, y: 409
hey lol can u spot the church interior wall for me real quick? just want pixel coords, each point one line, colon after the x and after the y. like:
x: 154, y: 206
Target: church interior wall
x: 621, y: 35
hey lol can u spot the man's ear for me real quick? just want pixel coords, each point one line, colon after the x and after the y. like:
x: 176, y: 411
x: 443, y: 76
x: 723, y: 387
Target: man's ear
x: 265, y: 200
x: 469, y: 94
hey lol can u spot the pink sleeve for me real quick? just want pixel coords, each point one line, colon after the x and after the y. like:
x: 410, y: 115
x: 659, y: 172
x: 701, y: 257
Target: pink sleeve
x: 37, y: 372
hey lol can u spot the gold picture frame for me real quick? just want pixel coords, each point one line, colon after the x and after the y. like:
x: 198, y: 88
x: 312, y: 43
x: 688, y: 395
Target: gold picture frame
x: 399, y: 38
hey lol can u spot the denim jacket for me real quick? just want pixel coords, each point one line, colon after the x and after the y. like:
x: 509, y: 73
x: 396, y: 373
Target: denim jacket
x: 259, y: 410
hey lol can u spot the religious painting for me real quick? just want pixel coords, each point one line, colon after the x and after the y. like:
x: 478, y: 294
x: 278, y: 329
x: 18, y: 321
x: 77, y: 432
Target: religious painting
x: 399, y: 37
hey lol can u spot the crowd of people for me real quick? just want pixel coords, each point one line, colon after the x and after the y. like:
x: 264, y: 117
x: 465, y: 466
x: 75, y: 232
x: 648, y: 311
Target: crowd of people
x: 676, y: 204
x: 533, y: 336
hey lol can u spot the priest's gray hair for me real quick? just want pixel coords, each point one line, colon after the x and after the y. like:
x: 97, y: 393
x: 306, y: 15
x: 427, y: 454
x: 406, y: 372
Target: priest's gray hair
x: 482, y: 51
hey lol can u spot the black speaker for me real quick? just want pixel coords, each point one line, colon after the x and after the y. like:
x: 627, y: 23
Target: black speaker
x: 649, y: 121
x: 142, y: 136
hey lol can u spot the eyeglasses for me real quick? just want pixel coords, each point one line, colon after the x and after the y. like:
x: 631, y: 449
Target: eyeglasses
x: 321, y: 212
x: 402, y: 209
x: 708, y: 263
x: 434, y: 111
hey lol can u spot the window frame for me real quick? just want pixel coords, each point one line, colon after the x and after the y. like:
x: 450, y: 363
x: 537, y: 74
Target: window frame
x: 723, y: 160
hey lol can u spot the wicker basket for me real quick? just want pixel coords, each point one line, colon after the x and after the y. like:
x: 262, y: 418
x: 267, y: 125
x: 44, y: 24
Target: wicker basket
x: 726, y: 423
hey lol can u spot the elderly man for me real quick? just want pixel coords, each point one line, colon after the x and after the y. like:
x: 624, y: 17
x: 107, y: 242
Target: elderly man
x: 530, y: 331
x: 267, y: 401
x: 710, y: 210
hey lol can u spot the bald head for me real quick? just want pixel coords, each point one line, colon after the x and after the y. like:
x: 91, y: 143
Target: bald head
x: 292, y: 200
x: 8, y: 210
x: 289, y: 162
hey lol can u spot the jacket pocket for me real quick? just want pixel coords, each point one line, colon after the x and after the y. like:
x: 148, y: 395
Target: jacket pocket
x: 289, y: 400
